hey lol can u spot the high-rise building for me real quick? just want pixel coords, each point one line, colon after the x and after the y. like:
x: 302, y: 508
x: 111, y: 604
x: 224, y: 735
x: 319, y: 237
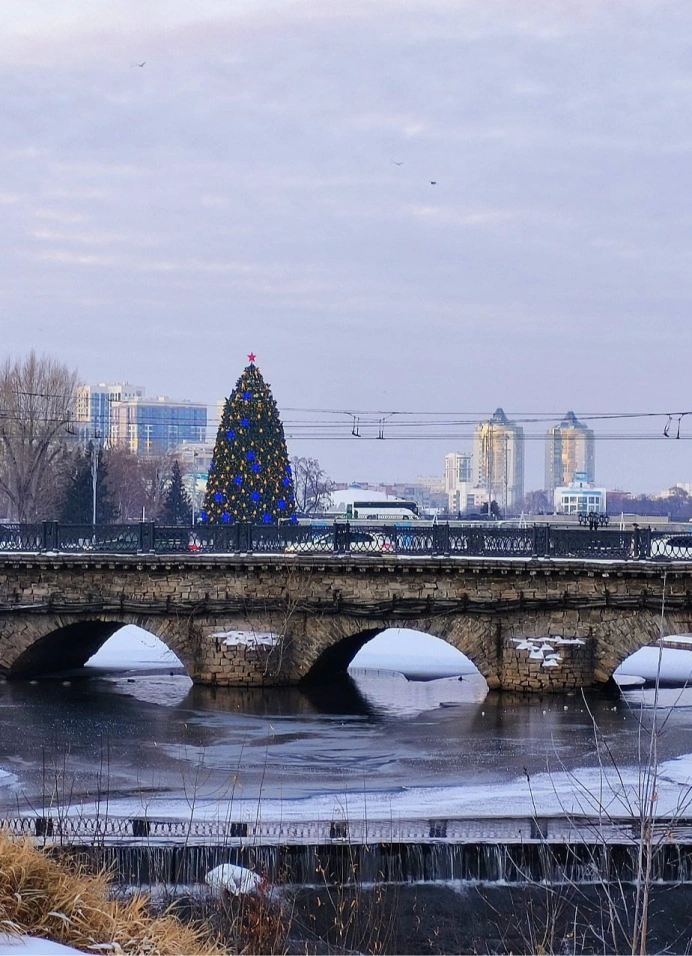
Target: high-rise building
x: 569, y: 450
x: 93, y: 407
x: 155, y: 426
x: 498, y: 459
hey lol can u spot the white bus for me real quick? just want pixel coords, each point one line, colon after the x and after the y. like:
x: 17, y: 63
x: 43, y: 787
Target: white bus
x: 382, y: 511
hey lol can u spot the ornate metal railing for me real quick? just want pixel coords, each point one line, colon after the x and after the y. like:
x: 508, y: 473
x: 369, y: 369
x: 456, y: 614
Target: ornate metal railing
x: 341, y: 538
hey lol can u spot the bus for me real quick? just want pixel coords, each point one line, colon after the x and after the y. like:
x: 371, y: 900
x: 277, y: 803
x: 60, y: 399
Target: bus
x: 382, y: 511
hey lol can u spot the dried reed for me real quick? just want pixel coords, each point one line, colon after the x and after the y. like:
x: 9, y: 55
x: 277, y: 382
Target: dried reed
x: 61, y: 901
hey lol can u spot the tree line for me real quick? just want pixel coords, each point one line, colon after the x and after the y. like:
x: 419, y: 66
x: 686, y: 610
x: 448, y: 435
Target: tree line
x: 47, y: 473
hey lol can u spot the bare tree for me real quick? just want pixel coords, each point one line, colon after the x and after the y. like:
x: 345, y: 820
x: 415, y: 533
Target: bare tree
x: 36, y: 407
x: 312, y: 486
x: 137, y: 484
x: 125, y: 484
x: 536, y: 502
x: 156, y: 473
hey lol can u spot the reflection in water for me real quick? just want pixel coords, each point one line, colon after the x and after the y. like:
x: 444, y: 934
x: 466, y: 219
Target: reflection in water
x: 154, y: 733
x: 339, y: 696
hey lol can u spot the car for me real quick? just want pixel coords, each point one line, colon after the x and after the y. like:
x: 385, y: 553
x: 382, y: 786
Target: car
x: 359, y: 542
x: 673, y: 546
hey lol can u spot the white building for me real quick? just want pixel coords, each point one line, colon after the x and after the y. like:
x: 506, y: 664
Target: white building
x: 467, y: 497
x: 579, y: 497
x: 685, y: 486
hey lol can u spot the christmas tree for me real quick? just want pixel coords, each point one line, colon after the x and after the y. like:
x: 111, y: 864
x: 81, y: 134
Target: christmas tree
x: 250, y: 478
x: 177, y: 508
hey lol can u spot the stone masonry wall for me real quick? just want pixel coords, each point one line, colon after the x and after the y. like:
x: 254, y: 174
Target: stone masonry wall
x: 320, y: 611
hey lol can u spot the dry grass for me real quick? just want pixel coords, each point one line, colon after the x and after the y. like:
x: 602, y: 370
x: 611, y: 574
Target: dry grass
x: 65, y: 903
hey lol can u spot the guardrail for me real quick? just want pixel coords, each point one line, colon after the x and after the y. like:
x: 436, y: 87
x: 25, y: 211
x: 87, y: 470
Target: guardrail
x: 341, y: 538
x: 77, y: 830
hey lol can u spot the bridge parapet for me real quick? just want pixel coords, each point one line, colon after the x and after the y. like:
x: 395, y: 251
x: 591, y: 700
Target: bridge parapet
x: 452, y: 539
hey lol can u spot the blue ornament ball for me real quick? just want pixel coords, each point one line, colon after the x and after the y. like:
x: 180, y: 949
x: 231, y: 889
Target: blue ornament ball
x: 255, y: 467
x: 294, y: 517
x: 238, y: 479
x: 218, y: 496
x: 202, y: 516
x: 247, y: 396
x: 281, y: 503
x: 244, y: 422
x: 230, y: 433
x: 285, y: 481
x: 266, y: 518
x: 255, y: 496
x: 225, y: 516
x: 249, y: 455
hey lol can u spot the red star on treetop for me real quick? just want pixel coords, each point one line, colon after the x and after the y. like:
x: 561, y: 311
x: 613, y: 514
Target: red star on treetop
x: 252, y: 357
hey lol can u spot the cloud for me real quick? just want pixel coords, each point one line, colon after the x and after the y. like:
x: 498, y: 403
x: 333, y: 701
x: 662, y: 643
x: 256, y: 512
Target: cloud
x: 242, y: 186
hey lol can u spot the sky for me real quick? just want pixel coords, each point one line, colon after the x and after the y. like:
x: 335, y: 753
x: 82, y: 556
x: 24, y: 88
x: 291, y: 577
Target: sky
x: 439, y: 206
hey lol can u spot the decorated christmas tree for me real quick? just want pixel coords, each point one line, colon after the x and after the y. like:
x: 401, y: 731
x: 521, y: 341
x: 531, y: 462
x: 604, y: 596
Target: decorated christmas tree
x: 250, y: 478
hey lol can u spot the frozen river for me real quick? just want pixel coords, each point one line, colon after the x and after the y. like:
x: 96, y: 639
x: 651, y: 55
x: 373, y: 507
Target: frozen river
x: 133, y: 733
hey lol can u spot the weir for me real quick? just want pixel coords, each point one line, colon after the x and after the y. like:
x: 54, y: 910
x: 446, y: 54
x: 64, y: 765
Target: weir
x: 511, y: 850
x: 359, y: 864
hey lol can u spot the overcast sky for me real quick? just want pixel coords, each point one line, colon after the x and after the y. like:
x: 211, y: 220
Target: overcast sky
x: 240, y: 192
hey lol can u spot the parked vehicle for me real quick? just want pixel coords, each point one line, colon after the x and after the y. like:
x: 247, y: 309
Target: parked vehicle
x: 360, y: 542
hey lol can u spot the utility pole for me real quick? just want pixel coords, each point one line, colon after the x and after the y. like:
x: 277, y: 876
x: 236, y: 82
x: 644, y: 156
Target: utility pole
x: 490, y: 464
x: 95, y: 446
x: 506, y: 469
x: 194, y: 485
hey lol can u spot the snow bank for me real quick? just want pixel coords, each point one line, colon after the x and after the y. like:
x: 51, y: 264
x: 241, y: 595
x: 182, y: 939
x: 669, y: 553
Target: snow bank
x: 32, y: 946
x: 132, y: 647
x: 417, y: 655
x: 676, y: 665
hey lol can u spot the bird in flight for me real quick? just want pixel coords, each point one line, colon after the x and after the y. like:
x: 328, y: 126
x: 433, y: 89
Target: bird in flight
x: 138, y: 64
x: 397, y: 163
x: 433, y: 182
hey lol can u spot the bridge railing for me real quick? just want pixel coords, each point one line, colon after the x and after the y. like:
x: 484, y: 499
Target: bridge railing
x: 340, y: 538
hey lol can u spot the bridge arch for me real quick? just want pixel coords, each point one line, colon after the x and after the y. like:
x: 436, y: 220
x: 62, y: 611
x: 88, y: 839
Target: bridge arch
x: 52, y: 643
x: 628, y: 632
x: 333, y: 648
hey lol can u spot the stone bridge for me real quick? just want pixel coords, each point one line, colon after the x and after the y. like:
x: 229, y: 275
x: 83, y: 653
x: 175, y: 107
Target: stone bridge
x: 259, y: 620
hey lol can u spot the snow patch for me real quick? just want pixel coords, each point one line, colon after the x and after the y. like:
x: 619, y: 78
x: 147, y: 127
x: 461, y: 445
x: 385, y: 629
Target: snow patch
x: 7, y: 779
x: 32, y: 946
x: 236, y: 880
x: 247, y: 638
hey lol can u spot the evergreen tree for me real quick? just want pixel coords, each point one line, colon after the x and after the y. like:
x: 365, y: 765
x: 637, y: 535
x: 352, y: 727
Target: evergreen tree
x: 78, y: 504
x: 177, y: 508
x: 250, y: 478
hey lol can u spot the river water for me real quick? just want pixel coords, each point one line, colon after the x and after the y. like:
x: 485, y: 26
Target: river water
x: 132, y: 735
